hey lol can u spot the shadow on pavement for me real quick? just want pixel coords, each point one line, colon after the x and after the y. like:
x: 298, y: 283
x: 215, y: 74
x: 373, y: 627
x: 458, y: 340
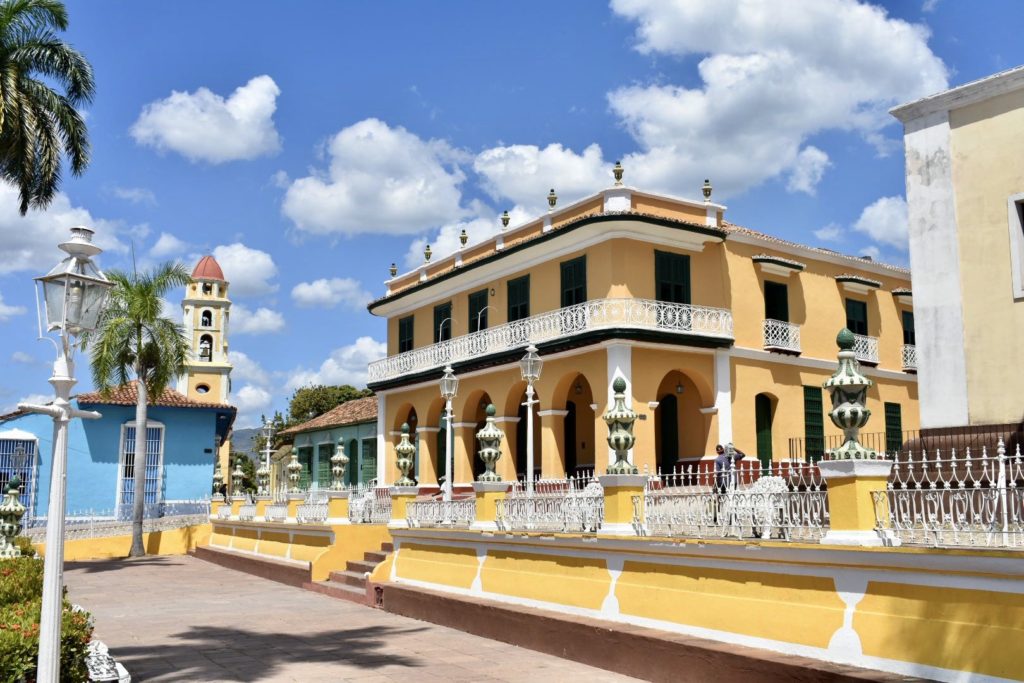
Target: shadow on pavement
x: 235, y: 654
x: 116, y: 564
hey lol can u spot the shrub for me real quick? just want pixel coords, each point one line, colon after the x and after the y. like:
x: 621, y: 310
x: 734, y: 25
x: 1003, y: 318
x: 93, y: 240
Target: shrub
x: 19, y: 642
x: 21, y: 591
x: 25, y: 545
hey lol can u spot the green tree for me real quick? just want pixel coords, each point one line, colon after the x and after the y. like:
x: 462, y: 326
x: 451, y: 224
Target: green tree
x: 248, y: 472
x: 38, y: 124
x: 309, y: 402
x: 135, y: 341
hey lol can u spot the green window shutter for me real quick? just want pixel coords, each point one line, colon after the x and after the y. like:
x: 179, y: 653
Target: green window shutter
x: 478, y: 311
x: 814, y: 424
x: 368, y: 461
x: 519, y: 298
x: 405, y: 327
x: 352, y: 468
x: 442, y: 322
x: 763, y: 423
x: 323, y: 465
x: 909, y: 337
x: 857, y: 316
x: 672, y: 277
x: 574, y: 281
x: 893, y: 427
x: 776, y: 301
x: 306, y: 460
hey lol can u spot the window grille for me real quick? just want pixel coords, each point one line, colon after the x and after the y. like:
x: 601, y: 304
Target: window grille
x: 154, y: 466
x: 27, y: 472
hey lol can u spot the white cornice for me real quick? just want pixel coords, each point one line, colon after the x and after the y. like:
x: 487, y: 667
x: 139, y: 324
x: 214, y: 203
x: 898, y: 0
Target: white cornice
x: 962, y: 96
x: 819, y: 255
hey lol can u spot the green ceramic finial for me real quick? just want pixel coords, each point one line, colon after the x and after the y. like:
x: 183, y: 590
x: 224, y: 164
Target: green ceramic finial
x: 619, y: 385
x: 845, y: 339
x: 405, y: 427
x: 491, y: 410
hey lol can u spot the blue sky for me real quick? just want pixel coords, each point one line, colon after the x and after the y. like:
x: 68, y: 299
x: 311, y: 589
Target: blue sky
x: 311, y: 144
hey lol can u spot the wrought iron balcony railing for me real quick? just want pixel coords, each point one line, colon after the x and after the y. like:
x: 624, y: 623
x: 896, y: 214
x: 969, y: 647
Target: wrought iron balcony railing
x: 909, y: 358
x: 781, y: 336
x: 598, y: 314
x: 866, y: 348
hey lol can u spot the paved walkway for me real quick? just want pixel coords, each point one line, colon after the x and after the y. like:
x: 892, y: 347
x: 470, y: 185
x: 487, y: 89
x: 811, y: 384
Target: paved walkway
x: 182, y: 619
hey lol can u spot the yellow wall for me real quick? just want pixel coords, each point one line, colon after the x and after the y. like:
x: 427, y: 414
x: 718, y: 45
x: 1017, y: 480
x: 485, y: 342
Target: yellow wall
x: 988, y: 168
x: 172, y: 542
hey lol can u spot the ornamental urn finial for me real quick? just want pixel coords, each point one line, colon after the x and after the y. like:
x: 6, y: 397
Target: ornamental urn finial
x: 620, y: 421
x: 706, y: 190
x: 236, y: 479
x: 11, y: 512
x: 505, y: 218
x: 617, y: 172
x: 338, y: 462
x: 848, y: 389
x: 405, y: 451
x: 552, y: 200
x: 490, y: 446
x: 218, y: 479
x: 294, y: 468
x: 426, y: 254
x: 393, y: 269
x: 463, y: 237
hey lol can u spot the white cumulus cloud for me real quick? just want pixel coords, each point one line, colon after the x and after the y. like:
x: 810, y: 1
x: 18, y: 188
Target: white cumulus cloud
x: 251, y: 401
x: 771, y: 75
x: 328, y: 293
x: 204, y: 126
x: 885, y: 221
x: 260, y: 321
x: 23, y: 358
x: 248, y: 270
x: 808, y: 170
x: 345, y: 365
x: 833, y: 232
x: 247, y: 369
x: 380, y: 179
x: 167, y: 245
x: 7, y: 311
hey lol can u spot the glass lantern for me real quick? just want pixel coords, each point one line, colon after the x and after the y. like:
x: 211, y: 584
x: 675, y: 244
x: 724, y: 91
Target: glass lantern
x: 449, y: 384
x: 75, y: 292
x: 531, y: 365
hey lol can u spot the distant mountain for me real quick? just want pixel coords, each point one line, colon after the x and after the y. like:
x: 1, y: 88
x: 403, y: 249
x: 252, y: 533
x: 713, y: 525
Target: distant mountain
x: 242, y: 440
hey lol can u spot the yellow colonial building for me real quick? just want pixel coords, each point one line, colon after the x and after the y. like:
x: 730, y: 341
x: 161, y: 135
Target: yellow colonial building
x: 722, y: 334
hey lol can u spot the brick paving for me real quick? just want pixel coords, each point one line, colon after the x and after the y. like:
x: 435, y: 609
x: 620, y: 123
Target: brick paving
x: 182, y: 619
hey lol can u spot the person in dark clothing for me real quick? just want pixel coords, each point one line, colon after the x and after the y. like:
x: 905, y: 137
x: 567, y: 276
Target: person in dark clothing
x: 725, y: 462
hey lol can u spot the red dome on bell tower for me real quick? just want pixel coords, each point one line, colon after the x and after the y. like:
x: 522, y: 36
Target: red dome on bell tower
x: 208, y: 269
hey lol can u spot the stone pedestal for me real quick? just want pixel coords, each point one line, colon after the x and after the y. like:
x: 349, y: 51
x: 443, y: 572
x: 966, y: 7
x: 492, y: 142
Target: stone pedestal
x: 488, y: 493
x: 619, y: 490
x: 236, y: 502
x: 215, y: 505
x: 851, y: 508
x: 261, y: 506
x: 294, y: 501
x: 401, y: 496
x: 337, y: 507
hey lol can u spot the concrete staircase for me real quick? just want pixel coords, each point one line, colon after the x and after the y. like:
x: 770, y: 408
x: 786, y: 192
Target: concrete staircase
x: 351, y: 582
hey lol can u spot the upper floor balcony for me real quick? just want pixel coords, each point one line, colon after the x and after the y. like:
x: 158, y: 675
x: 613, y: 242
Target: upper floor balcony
x: 909, y: 352
x: 627, y: 315
x: 780, y: 335
x: 866, y: 348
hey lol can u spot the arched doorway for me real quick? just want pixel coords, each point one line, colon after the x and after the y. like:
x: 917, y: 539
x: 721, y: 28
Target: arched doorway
x: 764, y: 415
x: 666, y: 417
x: 681, y: 427
x: 578, y: 428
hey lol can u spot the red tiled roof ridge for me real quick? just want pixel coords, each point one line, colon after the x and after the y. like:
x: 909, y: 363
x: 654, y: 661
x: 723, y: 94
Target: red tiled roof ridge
x: 127, y: 395
x: 350, y: 412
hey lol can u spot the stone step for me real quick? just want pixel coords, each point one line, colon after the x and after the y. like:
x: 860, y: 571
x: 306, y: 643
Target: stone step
x: 374, y: 557
x: 360, y: 567
x: 387, y: 547
x: 339, y: 590
x: 354, y: 579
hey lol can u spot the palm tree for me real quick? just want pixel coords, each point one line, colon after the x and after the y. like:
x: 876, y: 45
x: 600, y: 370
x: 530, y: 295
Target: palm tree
x: 134, y: 340
x: 38, y: 123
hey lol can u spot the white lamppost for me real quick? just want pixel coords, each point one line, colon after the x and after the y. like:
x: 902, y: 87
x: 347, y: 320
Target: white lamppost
x: 263, y: 473
x: 74, y: 294
x: 531, y: 365
x: 449, y: 387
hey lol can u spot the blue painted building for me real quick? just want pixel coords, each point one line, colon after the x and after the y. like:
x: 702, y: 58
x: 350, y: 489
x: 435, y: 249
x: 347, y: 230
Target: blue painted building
x: 182, y: 439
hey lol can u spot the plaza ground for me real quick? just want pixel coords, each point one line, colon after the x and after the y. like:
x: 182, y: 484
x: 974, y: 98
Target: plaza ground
x: 182, y: 619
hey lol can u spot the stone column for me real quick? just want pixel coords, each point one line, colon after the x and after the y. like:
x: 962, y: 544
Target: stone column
x: 464, y: 436
x: 552, y: 444
x: 337, y: 507
x: 427, y: 437
x: 507, y: 464
x: 852, y: 472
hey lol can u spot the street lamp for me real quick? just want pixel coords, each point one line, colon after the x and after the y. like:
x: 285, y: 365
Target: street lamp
x: 449, y: 387
x: 73, y: 297
x: 441, y: 327
x: 263, y: 473
x: 478, y: 315
x: 531, y: 365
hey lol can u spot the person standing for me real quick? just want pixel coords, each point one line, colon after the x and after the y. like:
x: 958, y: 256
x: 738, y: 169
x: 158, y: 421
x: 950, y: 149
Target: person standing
x: 725, y: 462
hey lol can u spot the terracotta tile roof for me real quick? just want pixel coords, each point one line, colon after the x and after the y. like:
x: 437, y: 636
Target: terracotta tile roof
x: 127, y: 395
x: 208, y: 269
x: 348, y: 413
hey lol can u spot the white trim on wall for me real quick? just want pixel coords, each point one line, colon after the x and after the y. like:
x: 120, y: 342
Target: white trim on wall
x: 1014, y: 207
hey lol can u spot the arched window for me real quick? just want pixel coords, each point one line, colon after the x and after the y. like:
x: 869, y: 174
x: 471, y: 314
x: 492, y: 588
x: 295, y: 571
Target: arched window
x: 206, y: 318
x: 207, y: 288
x: 206, y: 348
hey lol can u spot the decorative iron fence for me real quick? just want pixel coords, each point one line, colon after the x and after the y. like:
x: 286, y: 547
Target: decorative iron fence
x: 744, y: 499
x: 781, y: 335
x: 452, y: 514
x: 644, y: 314
x: 951, y: 500
x: 104, y: 523
x: 370, y: 506
x: 313, y: 509
x: 555, y: 505
x: 909, y: 353
x: 812, y: 450
x: 865, y: 348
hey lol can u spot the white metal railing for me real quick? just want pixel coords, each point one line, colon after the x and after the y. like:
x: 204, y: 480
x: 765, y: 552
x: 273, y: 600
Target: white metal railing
x: 101, y: 525
x: 224, y: 512
x: 370, y: 506
x: 865, y: 348
x: 909, y: 352
x: 742, y: 499
x: 781, y: 335
x: 597, y: 314
x: 276, y: 512
x: 454, y: 514
x: 247, y: 510
x: 313, y: 509
x: 951, y: 500
x: 564, y: 508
